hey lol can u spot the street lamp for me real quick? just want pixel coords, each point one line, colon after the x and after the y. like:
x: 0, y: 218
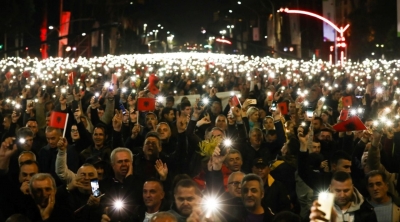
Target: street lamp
x: 230, y: 27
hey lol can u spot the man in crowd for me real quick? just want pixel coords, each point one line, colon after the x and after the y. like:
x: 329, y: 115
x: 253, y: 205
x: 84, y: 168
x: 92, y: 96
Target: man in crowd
x: 252, y: 189
x: 187, y: 196
x: 48, y: 155
x: 153, y: 198
x: 38, y: 141
x: 386, y: 206
x: 349, y: 204
x: 99, y: 149
x: 276, y: 197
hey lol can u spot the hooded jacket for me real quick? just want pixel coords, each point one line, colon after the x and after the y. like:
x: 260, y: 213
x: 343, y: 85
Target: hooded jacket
x: 360, y: 210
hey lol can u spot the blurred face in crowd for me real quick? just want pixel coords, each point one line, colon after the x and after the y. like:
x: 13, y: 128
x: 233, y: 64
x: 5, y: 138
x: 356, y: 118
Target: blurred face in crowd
x: 6, y: 123
x: 100, y: 112
x: 151, y: 147
x: 341, y: 165
x: 186, y: 199
x: 255, y: 138
x: 325, y: 117
x: 343, y: 192
x: 269, y: 124
x: 234, y: 185
x: 131, y: 100
x: 164, y: 131
x: 252, y: 194
x: 254, y: 116
x: 325, y: 136
x: 221, y: 122
x: 261, y: 114
x: 316, y: 147
x: 169, y: 103
x: 187, y: 110
x: 84, y: 175
x: 121, y: 164
x: 74, y: 132
x: 234, y: 162
x: 217, y: 133
x: 170, y: 116
x: 153, y: 195
x: 27, y: 144
x: 52, y: 138
x: 151, y: 121
x: 261, y: 170
x: 27, y: 171
x: 377, y: 188
x: 41, y: 191
x: 316, y: 124
x: 98, y: 137
x: 292, y: 107
x: 336, y: 96
x: 216, y: 108
x: 33, y: 126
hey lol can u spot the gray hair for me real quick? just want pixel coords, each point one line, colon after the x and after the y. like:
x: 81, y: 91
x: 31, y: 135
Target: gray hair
x: 252, y: 177
x: 221, y: 115
x: 255, y: 129
x: 234, y: 174
x: 41, y: 177
x: 117, y: 150
x: 51, y: 129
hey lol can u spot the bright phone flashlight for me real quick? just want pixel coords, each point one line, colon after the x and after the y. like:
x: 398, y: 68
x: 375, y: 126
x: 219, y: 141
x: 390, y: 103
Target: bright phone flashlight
x: 118, y: 204
x: 211, y: 204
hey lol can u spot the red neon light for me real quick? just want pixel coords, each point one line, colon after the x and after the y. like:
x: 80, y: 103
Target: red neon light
x: 340, y: 30
x: 223, y: 41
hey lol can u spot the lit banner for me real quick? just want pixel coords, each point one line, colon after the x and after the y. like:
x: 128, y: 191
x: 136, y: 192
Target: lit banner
x: 328, y: 11
x: 398, y: 18
x: 64, y: 27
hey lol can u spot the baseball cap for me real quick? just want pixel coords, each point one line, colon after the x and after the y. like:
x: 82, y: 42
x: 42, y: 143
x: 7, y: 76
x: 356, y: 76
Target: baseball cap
x: 262, y: 161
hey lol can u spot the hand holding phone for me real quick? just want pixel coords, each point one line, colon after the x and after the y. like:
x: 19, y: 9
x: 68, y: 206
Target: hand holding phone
x: 95, y: 187
x: 326, y: 199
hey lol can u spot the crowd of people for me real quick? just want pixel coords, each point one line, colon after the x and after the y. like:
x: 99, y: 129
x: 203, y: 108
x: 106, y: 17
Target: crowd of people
x: 264, y: 155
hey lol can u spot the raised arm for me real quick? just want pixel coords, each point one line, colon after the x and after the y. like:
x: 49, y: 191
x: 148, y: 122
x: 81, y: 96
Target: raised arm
x: 62, y: 170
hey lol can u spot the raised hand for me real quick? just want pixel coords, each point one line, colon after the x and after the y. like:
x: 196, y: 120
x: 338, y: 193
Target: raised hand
x: 46, y: 212
x: 205, y: 120
x: 25, y: 188
x: 62, y: 144
x: 117, y: 120
x: 8, y: 148
x: 93, y: 201
x: 135, y: 131
x: 217, y: 158
x: 105, y: 217
x: 162, y: 169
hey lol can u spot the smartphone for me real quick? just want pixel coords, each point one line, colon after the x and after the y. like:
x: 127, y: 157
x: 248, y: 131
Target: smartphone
x: 122, y: 108
x: 224, y: 146
x: 252, y: 101
x: 273, y: 106
x: 94, y: 183
x: 325, y: 199
x: 310, y: 113
x: 29, y: 102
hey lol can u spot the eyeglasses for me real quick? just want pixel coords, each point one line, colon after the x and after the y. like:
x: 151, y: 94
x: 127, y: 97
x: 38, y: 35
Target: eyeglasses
x: 235, y: 183
x: 74, y: 130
